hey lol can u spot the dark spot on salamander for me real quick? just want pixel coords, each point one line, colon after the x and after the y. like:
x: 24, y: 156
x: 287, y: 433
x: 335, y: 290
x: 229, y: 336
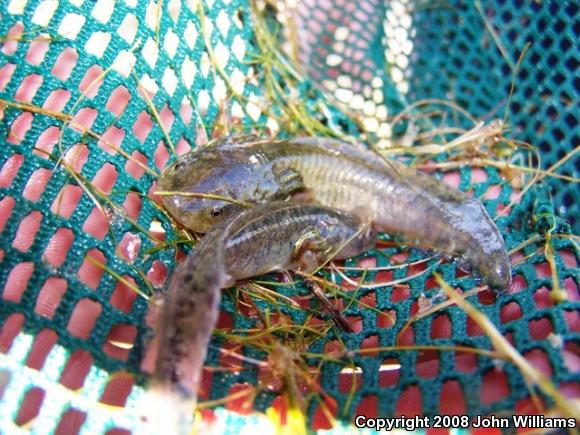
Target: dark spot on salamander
x: 174, y: 377
x: 188, y: 305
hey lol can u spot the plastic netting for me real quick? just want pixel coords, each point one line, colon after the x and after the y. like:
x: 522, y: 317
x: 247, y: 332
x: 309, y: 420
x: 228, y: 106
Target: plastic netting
x: 81, y: 228
x: 456, y: 51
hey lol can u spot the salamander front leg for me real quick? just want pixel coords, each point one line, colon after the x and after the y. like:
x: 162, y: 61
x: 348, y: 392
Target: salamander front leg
x: 308, y: 250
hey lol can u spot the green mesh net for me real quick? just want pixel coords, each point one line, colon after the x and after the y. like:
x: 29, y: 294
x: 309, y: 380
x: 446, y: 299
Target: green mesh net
x: 96, y: 98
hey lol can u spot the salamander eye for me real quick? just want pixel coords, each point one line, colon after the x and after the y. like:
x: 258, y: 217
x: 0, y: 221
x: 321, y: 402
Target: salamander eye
x: 216, y: 212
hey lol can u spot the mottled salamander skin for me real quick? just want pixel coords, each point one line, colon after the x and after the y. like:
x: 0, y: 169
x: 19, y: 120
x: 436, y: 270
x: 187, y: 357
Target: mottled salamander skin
x: 265, y: 238
x: 189, y: 314
x: 399, y: 200
x: 259, y: 240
